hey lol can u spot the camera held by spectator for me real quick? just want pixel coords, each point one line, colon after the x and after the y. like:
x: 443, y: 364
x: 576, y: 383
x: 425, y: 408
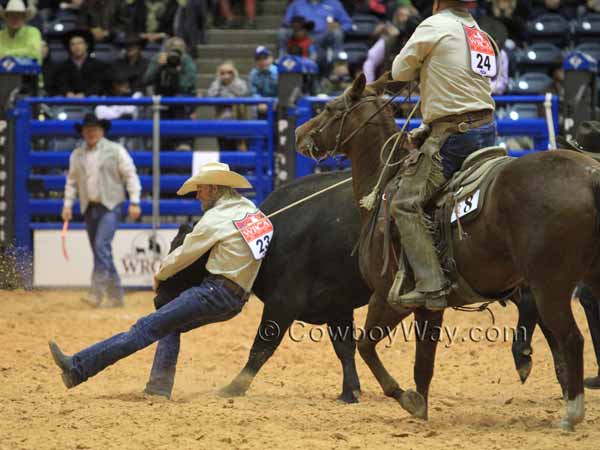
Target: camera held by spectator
x: 167, y: 82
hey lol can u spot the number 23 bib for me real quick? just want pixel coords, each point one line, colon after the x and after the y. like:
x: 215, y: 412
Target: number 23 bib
x: 483, y: 57
x: 257, y: 231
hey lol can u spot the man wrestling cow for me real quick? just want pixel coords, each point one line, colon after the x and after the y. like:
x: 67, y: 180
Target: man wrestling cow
x: 237, y: 236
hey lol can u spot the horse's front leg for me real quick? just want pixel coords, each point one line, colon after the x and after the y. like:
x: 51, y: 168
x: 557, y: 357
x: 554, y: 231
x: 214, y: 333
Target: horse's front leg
x: 429, y: 324
x: 381, y: 321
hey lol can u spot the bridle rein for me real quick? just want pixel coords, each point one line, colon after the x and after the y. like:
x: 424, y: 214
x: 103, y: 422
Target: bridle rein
x: 342, y: 115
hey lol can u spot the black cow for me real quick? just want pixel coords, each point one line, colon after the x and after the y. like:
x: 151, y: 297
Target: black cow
x: 308, y: 274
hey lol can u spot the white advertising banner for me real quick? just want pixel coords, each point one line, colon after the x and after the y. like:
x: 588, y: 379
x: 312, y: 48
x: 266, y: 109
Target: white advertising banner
x: 135, y: 253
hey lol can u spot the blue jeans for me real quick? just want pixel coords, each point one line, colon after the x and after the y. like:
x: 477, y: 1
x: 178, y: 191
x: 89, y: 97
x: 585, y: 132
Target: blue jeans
x: 460, y: 145
x: 101, y: 224
x: 208, y: 303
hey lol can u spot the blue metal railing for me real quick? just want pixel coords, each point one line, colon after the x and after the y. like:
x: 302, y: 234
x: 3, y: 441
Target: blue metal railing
x: 256, y: 164
x: 537, y: 128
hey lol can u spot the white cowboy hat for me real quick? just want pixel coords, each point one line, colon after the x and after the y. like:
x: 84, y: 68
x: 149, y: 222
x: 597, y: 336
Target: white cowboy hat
x: 214, y: 173
x: 18, y: 6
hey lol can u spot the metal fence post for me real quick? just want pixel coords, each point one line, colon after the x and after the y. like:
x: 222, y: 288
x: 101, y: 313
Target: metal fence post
x: 155, y: 168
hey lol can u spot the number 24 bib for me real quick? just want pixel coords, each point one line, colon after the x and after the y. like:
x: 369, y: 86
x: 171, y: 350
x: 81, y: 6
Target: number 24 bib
x: 483, y: 57
x: 257, y: 231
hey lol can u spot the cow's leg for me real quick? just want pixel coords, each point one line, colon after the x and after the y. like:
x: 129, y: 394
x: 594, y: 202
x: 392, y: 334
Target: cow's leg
x: 275, y: 322
x: 341, y: 333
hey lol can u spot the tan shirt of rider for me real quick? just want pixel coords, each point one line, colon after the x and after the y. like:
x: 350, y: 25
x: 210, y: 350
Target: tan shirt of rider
x: 438, y: 55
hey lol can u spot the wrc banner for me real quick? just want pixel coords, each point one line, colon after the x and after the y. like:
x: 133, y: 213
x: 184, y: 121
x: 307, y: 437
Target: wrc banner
x: 135, y: 253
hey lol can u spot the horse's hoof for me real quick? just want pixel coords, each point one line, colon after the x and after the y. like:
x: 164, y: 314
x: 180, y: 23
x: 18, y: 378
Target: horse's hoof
x: 414, y: 403
x: 566, y: 425
x: 524, y: 371
x: 232, y: 391
x: 349, y: 397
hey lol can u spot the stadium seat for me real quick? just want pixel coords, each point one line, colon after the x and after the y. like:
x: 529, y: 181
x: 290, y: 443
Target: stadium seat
x: 357, y: 52
x: 106, y: 52
x: 587, y: 28
x: 530, y: 83
x: 60, y: 26
x: 552, y: 28
x: 363, y: 27
x: 591, y: 48
x: 538, y: 57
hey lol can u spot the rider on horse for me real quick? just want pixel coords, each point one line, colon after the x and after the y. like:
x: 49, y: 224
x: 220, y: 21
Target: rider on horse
x: 454, y: 61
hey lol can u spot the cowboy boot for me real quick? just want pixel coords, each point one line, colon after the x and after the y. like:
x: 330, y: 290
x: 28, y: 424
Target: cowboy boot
x: 430, y: 283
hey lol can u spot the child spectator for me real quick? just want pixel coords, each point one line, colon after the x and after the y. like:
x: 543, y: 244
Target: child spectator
x: 330, y: 19
x: 229, y: 84
x: 300, y: 43
x: 263, y: 77
x: 133, y: 63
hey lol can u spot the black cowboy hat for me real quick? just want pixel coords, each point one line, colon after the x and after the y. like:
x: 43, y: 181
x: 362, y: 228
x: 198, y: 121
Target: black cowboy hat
x: 308, y: 25
x: 91, y: 119
x: 131, y: 39
x: 85, y: 34
x: 587, y: 139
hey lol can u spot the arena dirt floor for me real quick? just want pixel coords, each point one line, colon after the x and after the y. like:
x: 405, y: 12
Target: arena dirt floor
x: 476, y: 399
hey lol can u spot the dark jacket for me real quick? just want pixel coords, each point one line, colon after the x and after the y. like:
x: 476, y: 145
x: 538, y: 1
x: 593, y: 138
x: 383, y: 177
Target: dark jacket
x: 89, y: 79
x: 135, y: 72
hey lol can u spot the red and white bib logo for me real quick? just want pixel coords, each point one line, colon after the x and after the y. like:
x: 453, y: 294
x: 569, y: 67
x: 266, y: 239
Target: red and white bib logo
x: 257, y: 231
x: 483, y: 57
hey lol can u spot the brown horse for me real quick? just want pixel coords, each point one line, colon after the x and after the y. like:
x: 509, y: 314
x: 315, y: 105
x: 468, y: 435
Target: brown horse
x: 539, y: 225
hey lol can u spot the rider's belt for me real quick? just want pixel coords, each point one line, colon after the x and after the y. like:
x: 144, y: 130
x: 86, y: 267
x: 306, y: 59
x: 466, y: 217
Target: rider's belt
x: 231, y: 286
x: 467, y: 121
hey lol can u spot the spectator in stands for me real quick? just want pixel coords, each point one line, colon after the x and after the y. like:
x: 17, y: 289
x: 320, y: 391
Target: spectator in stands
x: 263, y: 77
x: 514, y: 15
x: 172, y: 71
x: 80, y: 75
x: 17, y: 38
x: 590, y: 7
x: 48, y: 82
x: 100, y: 170
x: 499, y: 34
x: 230, y: 19
x: 331, y: 22
x: 133, y: 63
x: 300, y: 43
x: 153, y: 19
x: 339, y: 78
x: 229, y: 84
x: 120, y: 86
x: 566, y: 8
x: 189, y: 22
x: 98, y: 17
x: 392, y: 38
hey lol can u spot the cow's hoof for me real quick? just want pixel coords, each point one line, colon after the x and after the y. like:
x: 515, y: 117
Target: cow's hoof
x: 349, y: 397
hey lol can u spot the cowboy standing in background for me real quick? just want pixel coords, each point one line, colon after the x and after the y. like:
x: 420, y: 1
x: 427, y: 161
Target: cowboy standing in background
x: 100, y: 170
x: 236, y: 235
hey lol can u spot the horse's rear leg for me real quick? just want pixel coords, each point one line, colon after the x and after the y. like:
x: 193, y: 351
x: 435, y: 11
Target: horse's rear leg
x: 341, y: 333
x: 554, y: 307
x: 276, y: 320
x: 429, y: 323
x: 381, y: 320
